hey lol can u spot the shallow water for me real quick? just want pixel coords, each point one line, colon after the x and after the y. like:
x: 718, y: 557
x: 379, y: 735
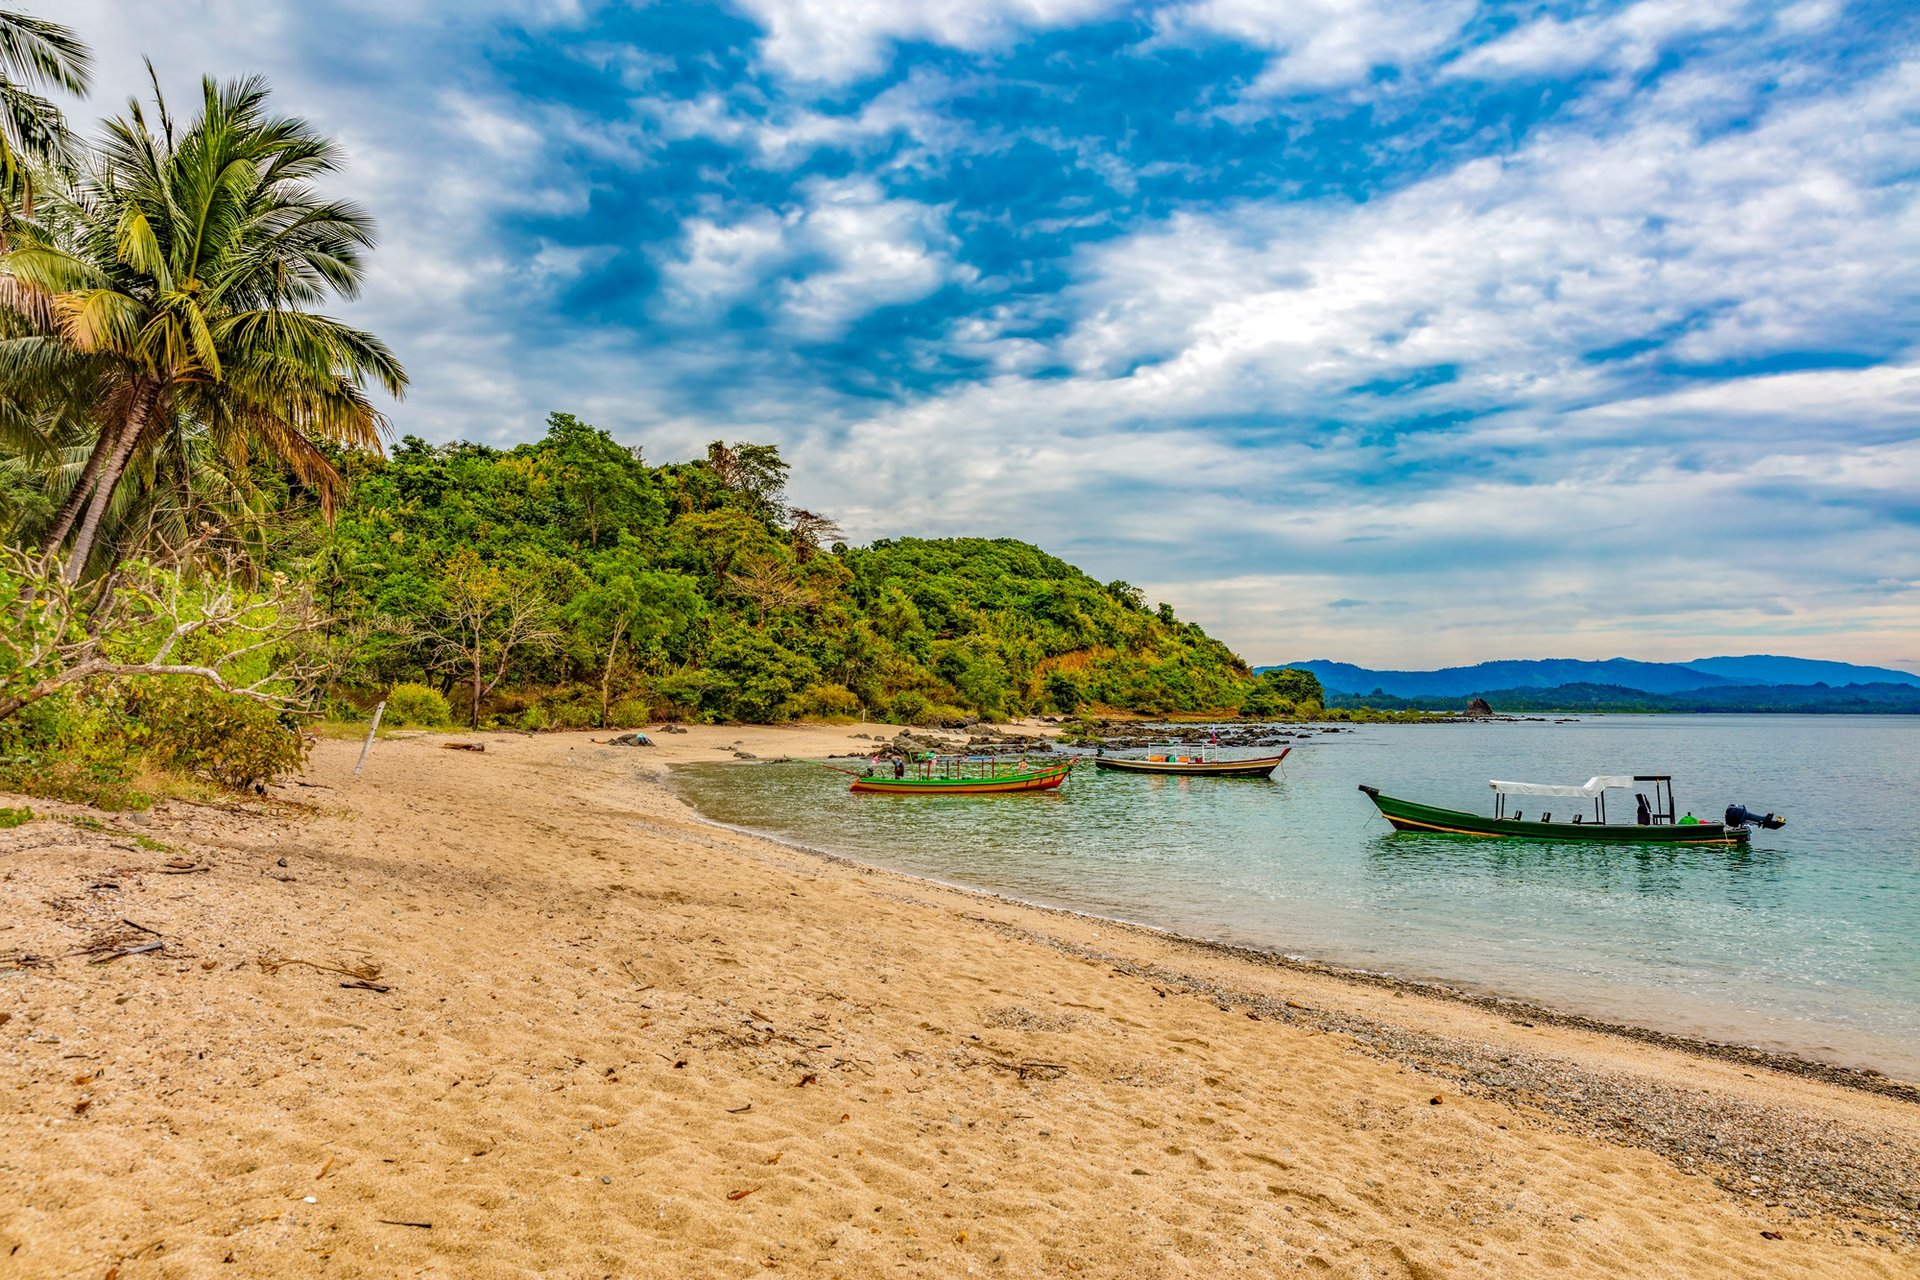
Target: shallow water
x: 1807, y: 942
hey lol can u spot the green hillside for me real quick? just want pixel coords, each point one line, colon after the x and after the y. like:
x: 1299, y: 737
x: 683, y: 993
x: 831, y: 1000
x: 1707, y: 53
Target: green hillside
x: 585, y: 585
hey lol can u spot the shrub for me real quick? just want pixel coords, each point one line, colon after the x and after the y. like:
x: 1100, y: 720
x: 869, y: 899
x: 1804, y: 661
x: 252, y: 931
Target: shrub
x: 578, y: 713
x: 1065, y: 691
x: 416, y: 704
x: 535, y: 718
x: 628, y: 712
x: 908, y: 707
x: 15, y: 817
x: 827, y: 701
x: 182, y: 725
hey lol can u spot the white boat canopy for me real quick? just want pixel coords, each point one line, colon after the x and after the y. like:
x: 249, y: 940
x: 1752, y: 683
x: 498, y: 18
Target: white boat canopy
x: 1594, y: 787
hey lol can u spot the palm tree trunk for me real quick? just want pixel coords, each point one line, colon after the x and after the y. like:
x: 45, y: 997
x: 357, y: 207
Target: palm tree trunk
x: 114, y: 467
x: 76, y: 499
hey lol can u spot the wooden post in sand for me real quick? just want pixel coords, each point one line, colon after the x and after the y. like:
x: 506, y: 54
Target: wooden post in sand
x: 371, y: 730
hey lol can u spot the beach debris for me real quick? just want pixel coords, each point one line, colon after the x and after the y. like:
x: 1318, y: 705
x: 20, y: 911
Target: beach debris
x: 742, y: 1194
x: 365, y: 986
x: 463, y: 746
x: 80, y: 1107
x: 807, y: 1079
x: 734, y: 1111
x: 1028, y: 1070
x: 398, y: 1222
x: 1771, y: 1235
x: 362, y: 971
x: 142, y: 949
x: 635, y: 739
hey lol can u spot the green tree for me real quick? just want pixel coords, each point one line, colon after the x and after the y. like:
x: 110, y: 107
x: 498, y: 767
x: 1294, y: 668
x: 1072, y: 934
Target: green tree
x: 755, y: 474
x: 603, y: 485
x: 1064, y: 691
x: 177, y: 268
x: 1282, y: 693
x: 630, y: 604
x: 485, y: 615
x: 34, y: 53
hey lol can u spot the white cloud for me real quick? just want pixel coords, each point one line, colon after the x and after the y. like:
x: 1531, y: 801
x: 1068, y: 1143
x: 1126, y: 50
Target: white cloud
x: 782, y: 135
x: 843, y: 252
x: 836, y: 41
x: 1326, y: 43
x: 1625, y: 39
x: 1799, y: 232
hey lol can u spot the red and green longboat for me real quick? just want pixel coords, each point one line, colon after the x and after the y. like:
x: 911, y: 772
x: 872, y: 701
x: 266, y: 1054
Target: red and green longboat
x: 964, y: 776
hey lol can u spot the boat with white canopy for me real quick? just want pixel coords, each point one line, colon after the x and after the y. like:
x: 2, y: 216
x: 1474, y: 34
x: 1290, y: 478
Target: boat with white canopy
x: 1585, y: 818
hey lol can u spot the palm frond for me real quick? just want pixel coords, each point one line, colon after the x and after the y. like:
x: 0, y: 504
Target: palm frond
x: 42, y: 52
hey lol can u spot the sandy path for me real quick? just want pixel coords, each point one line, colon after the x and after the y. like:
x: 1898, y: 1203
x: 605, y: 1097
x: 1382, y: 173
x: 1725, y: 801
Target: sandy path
x: 618, y: 1041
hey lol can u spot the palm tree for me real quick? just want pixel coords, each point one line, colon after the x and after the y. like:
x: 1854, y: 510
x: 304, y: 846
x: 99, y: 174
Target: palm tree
x: 176, y: 268
x: 33, y: 52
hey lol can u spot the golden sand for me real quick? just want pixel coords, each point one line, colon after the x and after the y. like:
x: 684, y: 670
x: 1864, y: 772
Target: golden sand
x: 617, y: 1041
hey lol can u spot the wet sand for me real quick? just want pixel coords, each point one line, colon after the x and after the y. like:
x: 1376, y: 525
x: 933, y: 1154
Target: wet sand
x: 616, y: 1040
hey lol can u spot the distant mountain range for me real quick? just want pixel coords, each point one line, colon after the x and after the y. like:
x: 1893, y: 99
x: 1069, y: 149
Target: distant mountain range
x: 1799, y: 699
x: 1703, y: 676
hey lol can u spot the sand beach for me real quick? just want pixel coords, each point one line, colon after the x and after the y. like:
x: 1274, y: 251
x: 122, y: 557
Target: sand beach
x: 522, y: 1012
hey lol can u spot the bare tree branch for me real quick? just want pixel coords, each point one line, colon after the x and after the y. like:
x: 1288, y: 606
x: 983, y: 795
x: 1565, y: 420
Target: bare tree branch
x: 141, y: 619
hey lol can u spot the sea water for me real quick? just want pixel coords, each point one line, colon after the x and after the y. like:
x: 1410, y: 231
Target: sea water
x: 1808, y: 941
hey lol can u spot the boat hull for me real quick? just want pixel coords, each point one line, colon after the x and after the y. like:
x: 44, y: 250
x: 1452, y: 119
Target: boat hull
x: 1260, y: 767
x: 1046, y: 781
x: 1405, y: 815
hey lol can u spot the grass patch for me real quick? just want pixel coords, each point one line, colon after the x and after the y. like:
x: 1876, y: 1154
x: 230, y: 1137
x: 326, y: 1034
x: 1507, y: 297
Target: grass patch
x: 15, y: 817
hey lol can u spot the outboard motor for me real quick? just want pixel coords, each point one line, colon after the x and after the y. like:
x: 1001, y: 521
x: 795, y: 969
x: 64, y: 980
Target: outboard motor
x: 1738, y: 816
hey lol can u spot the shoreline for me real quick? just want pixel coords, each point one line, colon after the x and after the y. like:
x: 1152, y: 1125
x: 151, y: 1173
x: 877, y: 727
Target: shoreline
x: 1786, y: 1061
x: 531, y: 998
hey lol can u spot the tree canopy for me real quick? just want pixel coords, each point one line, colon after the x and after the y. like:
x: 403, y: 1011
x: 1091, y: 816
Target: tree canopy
x: 691, y: 589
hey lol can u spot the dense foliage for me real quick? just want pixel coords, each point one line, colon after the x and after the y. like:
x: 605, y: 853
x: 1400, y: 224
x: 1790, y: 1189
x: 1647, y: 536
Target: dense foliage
x: 181, y: 674
x: 568, y: 582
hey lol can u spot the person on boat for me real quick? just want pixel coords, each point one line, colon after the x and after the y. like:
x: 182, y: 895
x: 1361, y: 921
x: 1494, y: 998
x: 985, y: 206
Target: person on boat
x: 1643, y: 812
x: 1689, y: 820
x: 899, y: 768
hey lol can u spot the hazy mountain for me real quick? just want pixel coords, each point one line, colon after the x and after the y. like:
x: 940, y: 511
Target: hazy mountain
x: 1766, y: 668
x: 1797, y: 699
x: 1539, y: 673
x: 1622, y: 673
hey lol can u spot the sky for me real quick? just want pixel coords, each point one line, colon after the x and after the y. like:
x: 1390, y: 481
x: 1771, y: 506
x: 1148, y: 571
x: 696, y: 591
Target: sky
x: 1402, y: 332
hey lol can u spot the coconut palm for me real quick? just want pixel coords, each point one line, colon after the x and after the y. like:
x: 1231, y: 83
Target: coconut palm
x: 34, y: 53
x: 176, y: 268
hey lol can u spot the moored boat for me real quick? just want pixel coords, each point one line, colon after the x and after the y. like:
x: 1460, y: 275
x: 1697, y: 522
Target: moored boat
x: 1207, y: 764
x: 1654, y: 817
x: 963, y: 776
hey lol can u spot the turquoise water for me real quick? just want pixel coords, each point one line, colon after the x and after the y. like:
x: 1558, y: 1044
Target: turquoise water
x: 1807, y: 942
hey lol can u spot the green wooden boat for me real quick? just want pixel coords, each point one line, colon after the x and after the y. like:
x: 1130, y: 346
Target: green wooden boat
x: 963, y: 776
x: 1654, y: 820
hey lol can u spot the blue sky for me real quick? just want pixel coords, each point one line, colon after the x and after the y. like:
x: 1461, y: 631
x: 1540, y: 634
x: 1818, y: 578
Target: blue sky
x: 1401, y: 333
